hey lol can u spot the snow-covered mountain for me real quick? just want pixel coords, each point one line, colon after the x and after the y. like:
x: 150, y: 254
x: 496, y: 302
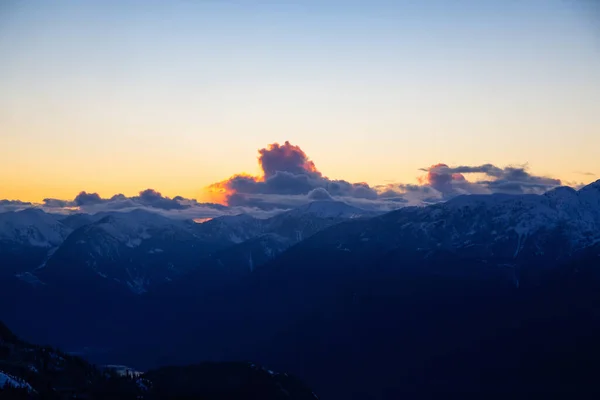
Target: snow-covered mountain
x: 138, y: 249
x: 258, y: 241
x: 27, y: 238
x: 7, y: 380
x: 230, y: 228
x: 32, y: 227
x: 502, y: 230
x: 294, y: 224
x: 316, y: 288
x: 330, y: 209
x: 479, y: 278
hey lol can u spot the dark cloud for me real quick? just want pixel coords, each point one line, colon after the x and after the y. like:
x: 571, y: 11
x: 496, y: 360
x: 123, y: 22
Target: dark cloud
x: 285, y: 158
x: 441, y: 178
x: 450, y: 181
x: 14, y: 205
x: 289, y: 177
x: 409, y: 194
x: 152, y: 198
x: 283, y: 182
x: 407, y: 187
x: 119, y: 196
x: 342, y: 188
x: 488, y: 169
x: 286, y: 171
x: 17, y: 203
x: 149, y: 199
x: 57, y: 203
x: 390, y: 194
x: 84, y: 198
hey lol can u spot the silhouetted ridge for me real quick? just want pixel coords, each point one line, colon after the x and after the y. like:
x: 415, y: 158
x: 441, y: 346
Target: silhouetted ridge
x: 34, y: 372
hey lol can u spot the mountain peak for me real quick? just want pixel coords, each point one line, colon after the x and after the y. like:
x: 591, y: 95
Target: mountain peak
x: 562, y: 189
x: 562, y: 193
x: 592, y: 186
x: 329, y: 208
x: 32, y: 211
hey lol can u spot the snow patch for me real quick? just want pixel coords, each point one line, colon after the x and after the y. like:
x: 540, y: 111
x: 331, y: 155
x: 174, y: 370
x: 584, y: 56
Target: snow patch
x: 137, y: 285
x: 30, y: 278
x: 7, y: 379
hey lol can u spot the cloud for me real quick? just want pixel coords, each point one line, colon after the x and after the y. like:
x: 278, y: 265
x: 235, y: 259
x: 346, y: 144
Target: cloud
x: 451, y: 181
x: 152, y: 198
x: 585, y: 173
x: 149, y: 200
x: 13, y: 205
x: 84, y: 198
x: 289, y: 178
x: 285, y: 158
x: 57, y: 203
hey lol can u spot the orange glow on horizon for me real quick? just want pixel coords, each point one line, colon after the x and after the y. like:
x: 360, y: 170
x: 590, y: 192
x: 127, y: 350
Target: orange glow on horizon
x: 201, y: 220
x: 219, y: 192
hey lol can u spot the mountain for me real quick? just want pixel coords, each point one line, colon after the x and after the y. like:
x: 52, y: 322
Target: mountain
x: 257, y: 241
x: 27, y: 238
x: 33, y: 227
x: 503, y: 230
x: 75, y: 221
x: 330, y: 209
x: 475, y: 294
x: 109, y: 258
x: 294, y: 225
x: 30, y: 372
x: 135, y: 249
x: 231, y: 380
x: 231, y: 229
x: 139, y: 250
x: 407, y: 334
x: 303, y: 222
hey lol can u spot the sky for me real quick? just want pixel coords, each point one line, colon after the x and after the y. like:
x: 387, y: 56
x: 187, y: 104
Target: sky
x: 115, y: 97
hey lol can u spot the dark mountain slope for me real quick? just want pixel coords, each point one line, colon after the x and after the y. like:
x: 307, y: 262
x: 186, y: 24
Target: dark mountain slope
x: 226, y: 381
x: 482, y: 294
x: 474, y: 295
x: 39, y: 372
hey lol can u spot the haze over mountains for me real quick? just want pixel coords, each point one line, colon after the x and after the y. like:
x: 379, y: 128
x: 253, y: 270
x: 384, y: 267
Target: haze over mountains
x: 324, y: 287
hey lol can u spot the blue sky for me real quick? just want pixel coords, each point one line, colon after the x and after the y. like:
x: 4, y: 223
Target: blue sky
x: 117, y: 96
